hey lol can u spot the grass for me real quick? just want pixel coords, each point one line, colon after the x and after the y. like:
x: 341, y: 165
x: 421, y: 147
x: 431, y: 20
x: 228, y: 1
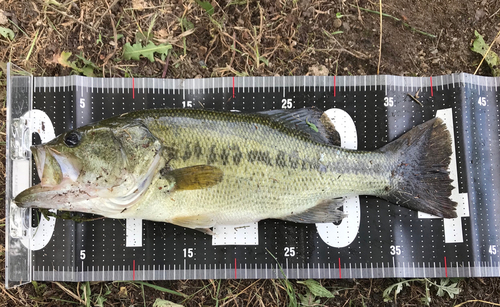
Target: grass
x: 242, y: 38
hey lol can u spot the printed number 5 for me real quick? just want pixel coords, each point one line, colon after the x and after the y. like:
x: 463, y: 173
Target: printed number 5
x: 82, y: 254
x: 82, y: 103
x: 395, y: 250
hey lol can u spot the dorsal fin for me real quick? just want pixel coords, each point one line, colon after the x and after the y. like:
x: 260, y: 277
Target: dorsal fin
x: 311, y: 121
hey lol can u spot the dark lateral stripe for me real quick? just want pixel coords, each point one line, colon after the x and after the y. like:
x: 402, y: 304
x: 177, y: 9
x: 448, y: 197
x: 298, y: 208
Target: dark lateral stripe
x: 259, y: 156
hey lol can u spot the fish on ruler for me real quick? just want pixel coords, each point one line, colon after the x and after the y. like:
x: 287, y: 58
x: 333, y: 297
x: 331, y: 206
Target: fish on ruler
x: 200, y: 168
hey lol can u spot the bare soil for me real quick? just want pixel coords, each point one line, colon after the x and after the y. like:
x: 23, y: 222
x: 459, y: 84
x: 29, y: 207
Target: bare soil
x: 245, y: 37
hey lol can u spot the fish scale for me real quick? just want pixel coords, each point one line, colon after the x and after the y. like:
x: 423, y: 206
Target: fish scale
x: 322, y: 172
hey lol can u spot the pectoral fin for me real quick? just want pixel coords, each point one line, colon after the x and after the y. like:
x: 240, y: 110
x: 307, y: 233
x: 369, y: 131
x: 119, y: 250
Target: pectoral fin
x: 194, y: 177
x: 326, y: 211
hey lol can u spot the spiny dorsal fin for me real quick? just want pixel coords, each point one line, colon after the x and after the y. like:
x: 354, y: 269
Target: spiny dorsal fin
x: 194, y: 177
x: 311, y: 121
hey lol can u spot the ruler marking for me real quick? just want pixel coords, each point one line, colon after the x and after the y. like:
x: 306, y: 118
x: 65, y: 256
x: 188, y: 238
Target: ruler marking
x: 133, y: 269
x: 284, y: 88
x: 233, y: 87
x: 394, y: 266
x: 286, y: 269
x: 432, y: 92
x: 340, y: 269
x: 334, y: 86
x: 235, y: 271
x: 445, y: 267
x: 385, y: 84
x: 478, y: 85
x: 133, y: 88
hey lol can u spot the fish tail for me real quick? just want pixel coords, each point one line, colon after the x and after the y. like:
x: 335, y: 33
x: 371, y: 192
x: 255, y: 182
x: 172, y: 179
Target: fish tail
x: 420, y: 179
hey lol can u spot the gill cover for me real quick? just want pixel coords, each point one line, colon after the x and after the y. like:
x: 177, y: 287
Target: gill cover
x: 111, y: 163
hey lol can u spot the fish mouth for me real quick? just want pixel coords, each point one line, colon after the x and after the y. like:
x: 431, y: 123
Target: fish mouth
x: 58, y: 174
x: 52, y: 166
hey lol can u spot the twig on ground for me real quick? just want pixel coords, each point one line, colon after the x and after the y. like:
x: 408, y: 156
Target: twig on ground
x: 415, y: 99
x: 399, y: 20
x: 359, y: 12
x: 68, y: 16
x: 76, y: 297
x: 380, y: 40
x: 10, y: 295
x: 115, y: 38
x: 165, y: 67
x: 477, y: 301
x: 107, y: 11
x: 234, y: 49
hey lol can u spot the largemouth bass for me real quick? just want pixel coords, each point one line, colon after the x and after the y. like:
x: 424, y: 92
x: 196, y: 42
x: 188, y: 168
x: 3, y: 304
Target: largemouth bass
x: 198, y: 168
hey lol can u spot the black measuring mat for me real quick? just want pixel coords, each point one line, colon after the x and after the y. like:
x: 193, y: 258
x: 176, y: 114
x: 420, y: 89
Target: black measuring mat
x: 377, y: 239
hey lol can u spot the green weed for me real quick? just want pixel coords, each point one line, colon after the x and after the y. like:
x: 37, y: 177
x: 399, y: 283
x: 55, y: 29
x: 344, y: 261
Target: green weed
x: 81, y: 66
x: 137, y: 50
x: 445, y: 286
x: 7, y: 33
x: 314, y: 290
x: 491, y: 58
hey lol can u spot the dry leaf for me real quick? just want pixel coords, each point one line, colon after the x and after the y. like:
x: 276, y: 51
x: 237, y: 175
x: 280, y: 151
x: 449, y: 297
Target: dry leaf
x: 318, y: 70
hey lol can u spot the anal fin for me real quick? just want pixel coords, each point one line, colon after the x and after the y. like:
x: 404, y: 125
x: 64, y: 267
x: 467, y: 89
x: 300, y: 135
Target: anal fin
x: 206, y: 231
x: 326, y: 211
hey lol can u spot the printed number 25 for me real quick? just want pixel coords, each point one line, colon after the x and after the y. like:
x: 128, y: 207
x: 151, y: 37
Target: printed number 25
x: 286, y: 103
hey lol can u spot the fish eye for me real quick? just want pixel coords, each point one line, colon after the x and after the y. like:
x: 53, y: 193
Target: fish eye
x: 72, y: 139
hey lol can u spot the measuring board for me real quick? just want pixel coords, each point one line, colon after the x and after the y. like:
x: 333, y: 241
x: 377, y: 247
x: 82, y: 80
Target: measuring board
x: 376, y: 239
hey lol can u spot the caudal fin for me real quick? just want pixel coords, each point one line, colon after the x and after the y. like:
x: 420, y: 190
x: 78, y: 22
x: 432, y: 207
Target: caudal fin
x: 420, y: 180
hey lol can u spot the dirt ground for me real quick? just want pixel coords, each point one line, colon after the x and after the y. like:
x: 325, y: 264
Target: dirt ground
x: 244, y: 37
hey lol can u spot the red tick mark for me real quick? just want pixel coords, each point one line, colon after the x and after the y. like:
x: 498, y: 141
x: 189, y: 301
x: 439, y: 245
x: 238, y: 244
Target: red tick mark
x: 445, y: 267
x: 432, y: 92
x: 340, y: 270
x: 133, y: 267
